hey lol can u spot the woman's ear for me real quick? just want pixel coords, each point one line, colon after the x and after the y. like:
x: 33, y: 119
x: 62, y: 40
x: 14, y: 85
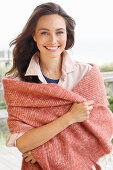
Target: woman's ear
x: 34, y: 37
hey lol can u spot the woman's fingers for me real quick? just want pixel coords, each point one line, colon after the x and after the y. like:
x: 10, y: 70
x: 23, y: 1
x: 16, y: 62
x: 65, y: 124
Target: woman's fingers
x: 24, y: 155
x: 28, y: 157
x: 90, y: 107
x: 81, y: 111
x: 33, y: 161
x: 89, y: 102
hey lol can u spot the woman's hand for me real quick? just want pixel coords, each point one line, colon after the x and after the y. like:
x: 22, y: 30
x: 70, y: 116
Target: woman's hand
x: 29, y: 157
x: 80, y: 112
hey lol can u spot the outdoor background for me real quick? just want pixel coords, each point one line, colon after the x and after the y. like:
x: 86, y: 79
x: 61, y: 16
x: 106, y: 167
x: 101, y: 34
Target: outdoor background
x: 93, y: 44
x: 93, y: 39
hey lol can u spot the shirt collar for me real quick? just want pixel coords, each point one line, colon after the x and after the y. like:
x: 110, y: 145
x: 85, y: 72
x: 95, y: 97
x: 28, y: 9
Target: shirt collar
x: 34, y: 66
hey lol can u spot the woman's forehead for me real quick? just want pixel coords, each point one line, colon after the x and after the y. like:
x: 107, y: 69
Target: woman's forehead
x: 53, y: 20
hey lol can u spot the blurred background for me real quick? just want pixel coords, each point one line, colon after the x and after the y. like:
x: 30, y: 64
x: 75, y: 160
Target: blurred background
x: 93, y: 39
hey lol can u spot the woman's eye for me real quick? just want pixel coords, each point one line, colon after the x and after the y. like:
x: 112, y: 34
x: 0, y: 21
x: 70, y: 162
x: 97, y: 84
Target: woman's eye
x: 43, y: 33
x: 60, y: 32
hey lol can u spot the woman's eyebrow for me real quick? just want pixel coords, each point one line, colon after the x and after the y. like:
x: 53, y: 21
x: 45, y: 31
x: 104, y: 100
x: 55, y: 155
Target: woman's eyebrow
x: 60, y: 29
x: 48, y: 29
x: 43, y: 29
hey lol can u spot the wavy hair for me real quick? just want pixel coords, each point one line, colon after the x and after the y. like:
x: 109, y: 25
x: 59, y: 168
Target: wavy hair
x: 25, y: 46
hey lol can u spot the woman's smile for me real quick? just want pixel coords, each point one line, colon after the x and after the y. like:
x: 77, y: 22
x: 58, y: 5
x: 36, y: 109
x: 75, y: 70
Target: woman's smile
x: 52, y: 48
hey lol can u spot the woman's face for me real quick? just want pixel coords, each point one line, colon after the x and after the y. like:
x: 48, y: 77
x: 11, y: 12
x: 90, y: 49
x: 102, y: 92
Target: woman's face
x: 50, y: 35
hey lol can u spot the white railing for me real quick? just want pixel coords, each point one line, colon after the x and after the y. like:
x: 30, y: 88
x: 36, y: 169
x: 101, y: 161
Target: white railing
x: 108, y: 76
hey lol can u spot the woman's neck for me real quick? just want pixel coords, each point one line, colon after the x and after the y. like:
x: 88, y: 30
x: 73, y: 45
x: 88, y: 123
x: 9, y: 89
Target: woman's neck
x: 51, y: 68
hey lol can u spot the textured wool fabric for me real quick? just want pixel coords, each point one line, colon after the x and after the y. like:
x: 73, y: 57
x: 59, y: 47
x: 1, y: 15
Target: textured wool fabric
x: 79, y: 146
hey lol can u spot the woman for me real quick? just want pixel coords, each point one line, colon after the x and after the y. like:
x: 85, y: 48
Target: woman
x: 51, y: 99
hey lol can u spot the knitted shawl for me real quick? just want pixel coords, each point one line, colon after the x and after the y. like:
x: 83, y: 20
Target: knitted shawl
x: 80, y: 145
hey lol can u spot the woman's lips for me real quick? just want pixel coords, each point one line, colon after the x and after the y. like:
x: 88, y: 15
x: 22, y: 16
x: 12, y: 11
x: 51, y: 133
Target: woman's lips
x: 52, y: 48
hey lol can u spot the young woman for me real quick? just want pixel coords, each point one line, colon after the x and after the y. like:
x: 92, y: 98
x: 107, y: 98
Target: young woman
x: 55, y: 105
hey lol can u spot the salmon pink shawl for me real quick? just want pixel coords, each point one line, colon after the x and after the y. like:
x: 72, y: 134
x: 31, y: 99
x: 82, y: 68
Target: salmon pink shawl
x: 80, y: 145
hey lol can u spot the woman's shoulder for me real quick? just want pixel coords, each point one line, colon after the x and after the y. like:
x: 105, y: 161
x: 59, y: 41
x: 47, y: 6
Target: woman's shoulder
x: 82, y: 66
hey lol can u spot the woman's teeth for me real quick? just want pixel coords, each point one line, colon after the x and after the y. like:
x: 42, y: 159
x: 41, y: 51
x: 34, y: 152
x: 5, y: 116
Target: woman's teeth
x: 51, y: 48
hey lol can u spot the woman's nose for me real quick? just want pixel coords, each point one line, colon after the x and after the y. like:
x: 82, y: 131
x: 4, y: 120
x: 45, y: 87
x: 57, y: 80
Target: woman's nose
x: 53, y: 38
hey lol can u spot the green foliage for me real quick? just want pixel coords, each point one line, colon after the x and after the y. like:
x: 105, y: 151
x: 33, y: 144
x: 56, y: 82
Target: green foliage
x: 3, y: 138
x: 111, y: 107
x: 108, y: 86
x: 110, y: 99
x: 112, y: 141
x: 3, y: 70
x: 106, y: 67
x: 3, y: 131
x: 3, y: 105
x: 2, y: 102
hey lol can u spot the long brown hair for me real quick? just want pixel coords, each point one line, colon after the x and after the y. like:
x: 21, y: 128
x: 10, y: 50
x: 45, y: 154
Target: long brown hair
x: 25, y: 46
